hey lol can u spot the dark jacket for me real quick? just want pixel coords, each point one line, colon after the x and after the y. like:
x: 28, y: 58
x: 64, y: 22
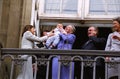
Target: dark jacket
x: 94, y: 43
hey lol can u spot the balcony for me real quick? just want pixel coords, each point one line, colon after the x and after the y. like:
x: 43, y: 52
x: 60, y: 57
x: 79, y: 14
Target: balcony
x: 42, y: 57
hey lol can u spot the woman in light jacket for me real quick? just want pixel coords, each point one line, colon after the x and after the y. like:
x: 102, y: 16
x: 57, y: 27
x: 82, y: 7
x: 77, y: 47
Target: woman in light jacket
x: 113, y: 44
x: 28, y: 39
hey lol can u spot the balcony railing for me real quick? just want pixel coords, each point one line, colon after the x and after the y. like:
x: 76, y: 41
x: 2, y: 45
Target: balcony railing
x: 44, y: 57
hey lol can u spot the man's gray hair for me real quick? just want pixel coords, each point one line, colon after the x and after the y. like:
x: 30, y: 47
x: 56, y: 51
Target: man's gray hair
x: 73, y: 28
x: 96, y: 29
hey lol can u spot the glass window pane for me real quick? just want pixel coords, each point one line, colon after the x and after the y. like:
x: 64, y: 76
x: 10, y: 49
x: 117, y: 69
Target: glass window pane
x: 69, y: 6
x: 113, y: 6
x: 96, y: 7
x: 61, y: 6
x: 101, y: 7
x: 52, y: 6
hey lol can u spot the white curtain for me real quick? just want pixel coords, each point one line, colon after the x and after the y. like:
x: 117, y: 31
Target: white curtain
x: 96, y: 7
x: 52, y: 6
x: 61, y: 6
x: 113, y: 6
x: 70, y: 6
x: 102, y: 7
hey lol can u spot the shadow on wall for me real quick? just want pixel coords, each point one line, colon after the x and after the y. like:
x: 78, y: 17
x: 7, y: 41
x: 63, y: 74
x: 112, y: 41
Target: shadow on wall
x: 1, y: 45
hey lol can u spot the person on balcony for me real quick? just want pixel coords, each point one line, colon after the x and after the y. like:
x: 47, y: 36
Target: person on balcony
x: 67, y: 38
x: 94, y: 43
x: 54, y: 40
x: 28, y: 39
x: 41, y: 45
x: 113, y: 44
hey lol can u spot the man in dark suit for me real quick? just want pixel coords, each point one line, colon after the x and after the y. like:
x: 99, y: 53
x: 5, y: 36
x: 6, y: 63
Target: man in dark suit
x: 94, y: 43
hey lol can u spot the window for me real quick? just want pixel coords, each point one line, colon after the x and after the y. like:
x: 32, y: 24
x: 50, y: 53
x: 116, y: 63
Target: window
x: 79, y: 9
x: 61, y: 6
x: 104, y: 7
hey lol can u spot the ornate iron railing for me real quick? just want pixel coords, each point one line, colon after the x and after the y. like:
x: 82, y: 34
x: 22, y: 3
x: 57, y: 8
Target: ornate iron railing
x: 44, y: 57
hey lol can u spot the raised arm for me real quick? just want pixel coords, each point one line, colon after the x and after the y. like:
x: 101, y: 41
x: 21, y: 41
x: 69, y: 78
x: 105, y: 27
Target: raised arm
x: 32, y: 37
x: 68, y: 38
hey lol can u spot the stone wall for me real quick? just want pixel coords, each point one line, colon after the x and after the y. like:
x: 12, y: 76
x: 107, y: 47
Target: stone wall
x: 14, y: 15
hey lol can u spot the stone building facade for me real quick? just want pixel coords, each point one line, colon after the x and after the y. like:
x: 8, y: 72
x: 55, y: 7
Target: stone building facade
x: 14, y: 14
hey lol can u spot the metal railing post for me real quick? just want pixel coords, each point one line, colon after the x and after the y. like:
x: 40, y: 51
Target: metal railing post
x: 106, y: 70
x: 70, y: 73
x: 12, y: 69
x: 47, y: 72
x: 82, y: 69
x: 59, y: 68
x: 94, y: 69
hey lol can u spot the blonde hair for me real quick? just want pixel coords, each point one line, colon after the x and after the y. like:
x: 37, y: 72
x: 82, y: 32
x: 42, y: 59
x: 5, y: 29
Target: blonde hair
x: 73, y: 28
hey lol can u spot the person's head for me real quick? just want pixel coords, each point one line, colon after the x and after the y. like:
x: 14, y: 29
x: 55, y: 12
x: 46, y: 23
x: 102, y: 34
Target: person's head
x: 29, y: 28
x: 60, y: 26
x: 70, y: 29
x: 116, y: 24
x: 45, y: 32
x: 92, y: 31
